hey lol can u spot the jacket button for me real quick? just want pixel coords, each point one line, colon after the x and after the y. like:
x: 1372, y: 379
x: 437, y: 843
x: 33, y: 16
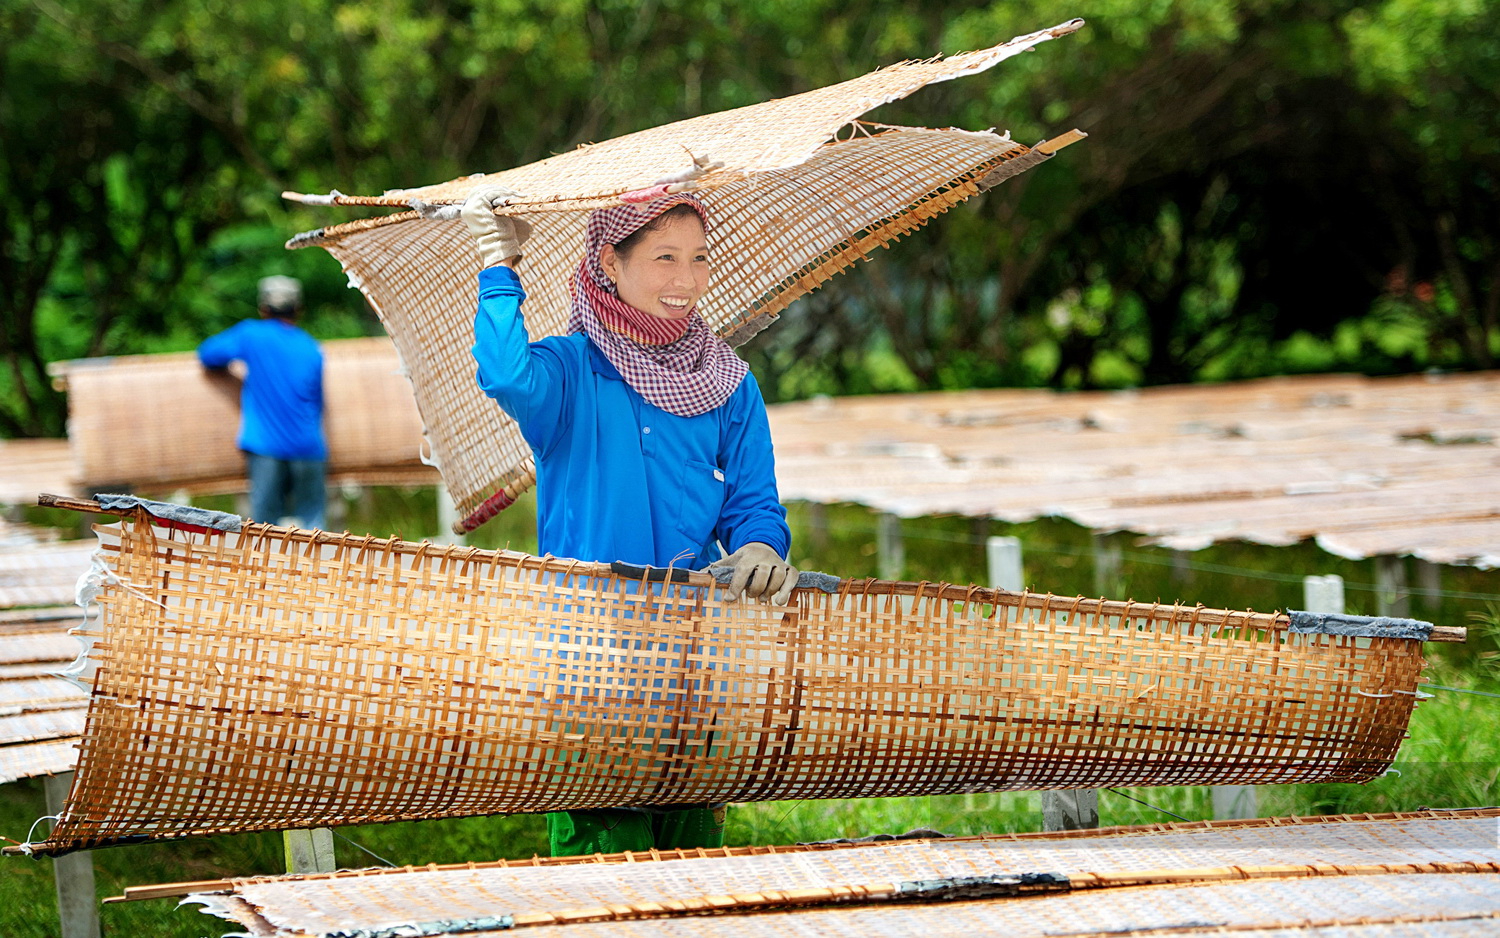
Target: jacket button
x: 645, y: 429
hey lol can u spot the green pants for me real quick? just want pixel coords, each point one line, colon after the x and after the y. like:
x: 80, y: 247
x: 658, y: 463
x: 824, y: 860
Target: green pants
x: 611, y: 830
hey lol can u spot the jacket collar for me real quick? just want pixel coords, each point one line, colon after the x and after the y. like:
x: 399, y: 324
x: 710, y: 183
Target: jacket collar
x: 601, y: 364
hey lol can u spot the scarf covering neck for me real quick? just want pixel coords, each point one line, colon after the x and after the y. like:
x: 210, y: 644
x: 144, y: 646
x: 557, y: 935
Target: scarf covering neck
x: 677, y: 364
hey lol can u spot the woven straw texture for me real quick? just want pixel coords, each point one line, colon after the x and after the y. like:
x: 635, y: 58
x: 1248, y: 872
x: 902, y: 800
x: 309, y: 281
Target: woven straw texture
x: 1391, y: 466
x: 794, y: 203
x: 1259, y: 876
x: 41, y: 574
x: 28, y: 467
x: 40, y: 715
x: 162, y: 421
x: 276, y: 678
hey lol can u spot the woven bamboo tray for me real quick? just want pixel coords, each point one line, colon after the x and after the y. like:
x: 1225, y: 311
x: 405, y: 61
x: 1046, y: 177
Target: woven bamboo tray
x: 164, y: 422
x: 1265, y: 875
x: 275, y: 678
x: 799, y: 189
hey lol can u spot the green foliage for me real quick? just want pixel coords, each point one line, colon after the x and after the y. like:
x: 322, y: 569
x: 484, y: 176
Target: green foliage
x: 1261, y: 174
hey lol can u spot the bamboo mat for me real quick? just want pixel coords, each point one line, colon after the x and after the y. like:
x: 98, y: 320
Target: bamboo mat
x: 1267, y: 875
x: 42, y: 574
x: 158, y: 422
x: 273, y: 678
x: 41, y: 716
x: 1364, y: 466
x: 31, y: 466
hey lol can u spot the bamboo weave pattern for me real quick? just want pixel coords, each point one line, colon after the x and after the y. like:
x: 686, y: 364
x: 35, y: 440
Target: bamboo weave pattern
x: 276, y: 678
x: 41, y: 716
x: 794, y: 204
x: 144, y: 421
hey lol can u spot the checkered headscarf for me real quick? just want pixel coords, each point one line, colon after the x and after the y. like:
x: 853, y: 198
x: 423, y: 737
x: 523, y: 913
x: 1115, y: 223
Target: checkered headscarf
x: 678, y: 365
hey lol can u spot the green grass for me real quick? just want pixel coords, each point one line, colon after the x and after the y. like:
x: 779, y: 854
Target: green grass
x: 1452, y: 758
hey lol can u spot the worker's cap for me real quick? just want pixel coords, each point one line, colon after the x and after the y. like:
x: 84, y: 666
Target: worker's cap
x: 280, y: 292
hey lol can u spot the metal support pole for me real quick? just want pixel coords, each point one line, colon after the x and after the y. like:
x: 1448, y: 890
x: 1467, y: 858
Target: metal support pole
x: 1391, y: 595
x: 77, y: 908
x: 889, y: 547
x: 309, y: 851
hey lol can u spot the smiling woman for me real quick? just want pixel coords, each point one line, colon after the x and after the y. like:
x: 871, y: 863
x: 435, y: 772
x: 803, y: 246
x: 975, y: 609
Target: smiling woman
x: 649, y: 434
x: 662, y: 268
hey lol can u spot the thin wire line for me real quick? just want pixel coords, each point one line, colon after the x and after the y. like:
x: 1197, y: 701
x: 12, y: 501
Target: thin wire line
x: 788, y: 814
x: 1460, y: 690
x: 364, y: 848
x: 1148, y: 804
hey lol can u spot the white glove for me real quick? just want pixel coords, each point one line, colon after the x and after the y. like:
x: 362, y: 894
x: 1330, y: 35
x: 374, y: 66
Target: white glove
x: 498, y: 237
x: 759, y: 573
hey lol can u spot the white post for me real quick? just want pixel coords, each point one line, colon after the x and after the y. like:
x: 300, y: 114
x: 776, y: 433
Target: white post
x: 1234, y: 801
x: 1004, y: 555
x: 889, y: 548
x: 1319, y: 594
x: 1108, y: 558
x: 1182, y: 570
x: 1067, y: 810
x: 309, y: 851
x: 447, y: 517
x: 817, y: 527
x: 1070, y: 810
x: 1391, y: 595
x: 1323, y: 593
x: 1430, y: 582
x: 77, y: 910
x: 336, y: 510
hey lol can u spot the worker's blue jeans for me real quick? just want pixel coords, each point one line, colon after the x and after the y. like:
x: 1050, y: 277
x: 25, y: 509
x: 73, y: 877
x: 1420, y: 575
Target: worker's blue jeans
x: 286, y: 487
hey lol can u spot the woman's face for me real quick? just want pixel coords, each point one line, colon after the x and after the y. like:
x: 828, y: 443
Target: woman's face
x: 665, y: 272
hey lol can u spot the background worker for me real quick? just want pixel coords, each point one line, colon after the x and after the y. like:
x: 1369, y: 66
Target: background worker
x: 650, y: 435
x: 281, y: 405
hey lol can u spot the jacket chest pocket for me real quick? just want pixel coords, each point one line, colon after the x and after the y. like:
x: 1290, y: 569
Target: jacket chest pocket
x: 702, y: 489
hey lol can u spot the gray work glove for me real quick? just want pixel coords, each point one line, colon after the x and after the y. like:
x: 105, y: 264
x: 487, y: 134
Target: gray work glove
x: 759, y: 573
x: 498, y: 237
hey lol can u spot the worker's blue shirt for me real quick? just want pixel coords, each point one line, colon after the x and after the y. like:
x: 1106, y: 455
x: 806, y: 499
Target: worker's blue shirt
x: 281, y: 403
x: 617, y: 477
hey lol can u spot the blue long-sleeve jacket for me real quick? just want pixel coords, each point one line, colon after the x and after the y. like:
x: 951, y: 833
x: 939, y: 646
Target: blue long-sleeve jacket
x: 617, y: 477
x: 281, y: 404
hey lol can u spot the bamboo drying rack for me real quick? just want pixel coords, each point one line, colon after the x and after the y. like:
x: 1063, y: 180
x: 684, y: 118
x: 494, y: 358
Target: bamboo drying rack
x: 274, y: 678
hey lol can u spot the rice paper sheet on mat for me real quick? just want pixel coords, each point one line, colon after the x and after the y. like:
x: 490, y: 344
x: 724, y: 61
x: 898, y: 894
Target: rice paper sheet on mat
x: 1274, y: 872
x: 269, y: 678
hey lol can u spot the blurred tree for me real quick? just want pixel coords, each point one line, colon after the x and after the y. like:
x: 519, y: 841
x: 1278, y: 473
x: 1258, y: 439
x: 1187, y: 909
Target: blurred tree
x: 1256, y: 169
x: 103, y: 201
